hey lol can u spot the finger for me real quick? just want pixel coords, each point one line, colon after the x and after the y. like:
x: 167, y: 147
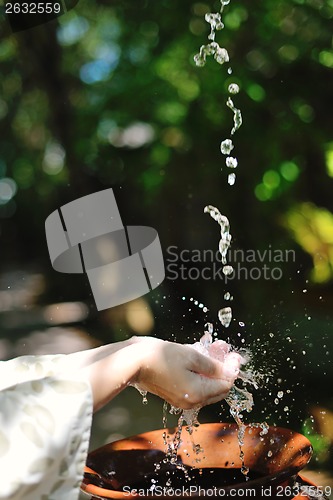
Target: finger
x: 214, y: 390
x: 197, y: 393
x: 203, y: 365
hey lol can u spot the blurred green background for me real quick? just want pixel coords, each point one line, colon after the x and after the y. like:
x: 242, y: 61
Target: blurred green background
x: 108, y: 95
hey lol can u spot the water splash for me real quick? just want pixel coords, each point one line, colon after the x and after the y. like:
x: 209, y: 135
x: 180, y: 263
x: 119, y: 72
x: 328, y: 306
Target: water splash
x: 239, y: 400
x: 172, y: 445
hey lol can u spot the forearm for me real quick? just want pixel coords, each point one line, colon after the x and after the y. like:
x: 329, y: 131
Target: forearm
x: 82, y: 359
x: 113, y: 371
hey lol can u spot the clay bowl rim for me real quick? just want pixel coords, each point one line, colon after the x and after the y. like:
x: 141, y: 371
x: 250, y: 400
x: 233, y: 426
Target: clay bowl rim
x: 270, y: 479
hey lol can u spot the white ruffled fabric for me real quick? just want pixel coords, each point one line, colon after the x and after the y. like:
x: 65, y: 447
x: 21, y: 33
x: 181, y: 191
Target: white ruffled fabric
x: 45, y: 422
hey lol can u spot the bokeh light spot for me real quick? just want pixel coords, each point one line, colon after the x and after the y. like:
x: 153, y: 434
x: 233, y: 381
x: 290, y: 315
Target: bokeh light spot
x: 289, y: 170
x: 262, y: 192
x: 271, y: 179
x: 8, y: 190
x: 256, y: 92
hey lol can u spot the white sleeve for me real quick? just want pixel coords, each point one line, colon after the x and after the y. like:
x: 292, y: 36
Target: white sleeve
x: 45, y: 422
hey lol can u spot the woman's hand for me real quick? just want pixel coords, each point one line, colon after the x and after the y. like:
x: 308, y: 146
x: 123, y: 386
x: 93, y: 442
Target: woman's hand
x: 175, y: 372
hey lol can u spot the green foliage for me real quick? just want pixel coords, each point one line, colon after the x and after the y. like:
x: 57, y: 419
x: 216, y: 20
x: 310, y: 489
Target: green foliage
x: 108, y: 94
x: 321, y: 444
x: 312, y: 228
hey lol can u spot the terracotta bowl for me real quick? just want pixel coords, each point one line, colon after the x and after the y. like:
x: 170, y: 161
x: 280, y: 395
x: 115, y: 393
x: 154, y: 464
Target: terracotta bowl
x: 274, y: 459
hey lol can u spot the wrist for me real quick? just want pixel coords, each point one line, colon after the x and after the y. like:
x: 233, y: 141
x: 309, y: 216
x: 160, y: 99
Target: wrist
x: 149, y: 360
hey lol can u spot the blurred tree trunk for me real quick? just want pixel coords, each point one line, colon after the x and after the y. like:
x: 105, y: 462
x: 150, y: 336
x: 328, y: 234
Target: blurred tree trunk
x: 40, y: 57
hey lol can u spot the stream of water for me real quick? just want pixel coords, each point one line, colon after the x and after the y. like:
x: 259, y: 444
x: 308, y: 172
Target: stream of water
x: 239, y: 399
x: 221, y: 56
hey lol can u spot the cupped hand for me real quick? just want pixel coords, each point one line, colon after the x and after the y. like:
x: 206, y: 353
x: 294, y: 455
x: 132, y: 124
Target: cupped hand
x: 183, y: 376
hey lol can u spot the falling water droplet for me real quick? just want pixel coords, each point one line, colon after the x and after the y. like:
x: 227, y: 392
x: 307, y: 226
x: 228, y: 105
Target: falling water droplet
x: 231, y: 179
x: 199, y: 60
x: 264, y: 428
x: 226, y: 146
x: 233, y: 88
x: 227, y: 270
x: 210, y: 328
x: 245, y: 470
x: 225, y: 316
x: 231, y: 162
x: 221, y: 55
x: 144, y: 398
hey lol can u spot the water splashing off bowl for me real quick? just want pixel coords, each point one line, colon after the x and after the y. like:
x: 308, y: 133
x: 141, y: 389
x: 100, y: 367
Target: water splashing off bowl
x: 275, y: 458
